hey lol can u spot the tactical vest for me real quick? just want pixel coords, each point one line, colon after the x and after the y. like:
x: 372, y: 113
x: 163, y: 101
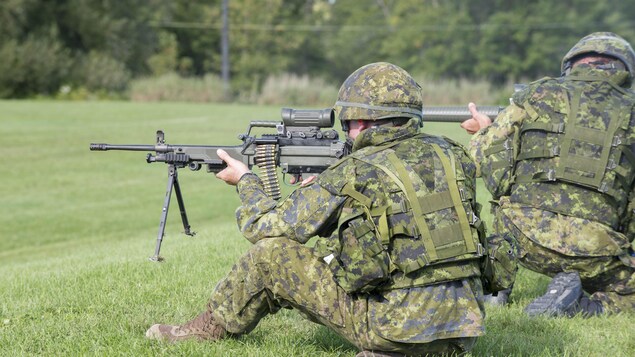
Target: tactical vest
x: 422, y: 213
x: 575, y: 150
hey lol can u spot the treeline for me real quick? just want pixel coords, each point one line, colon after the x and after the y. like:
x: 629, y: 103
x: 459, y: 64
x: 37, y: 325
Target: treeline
x: 102, y: 45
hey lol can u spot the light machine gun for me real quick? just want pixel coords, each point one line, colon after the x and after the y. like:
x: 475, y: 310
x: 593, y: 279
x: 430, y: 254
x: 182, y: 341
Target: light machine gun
x: 305, y: 143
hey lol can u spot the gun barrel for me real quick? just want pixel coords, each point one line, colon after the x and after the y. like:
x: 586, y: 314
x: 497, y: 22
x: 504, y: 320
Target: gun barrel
x: 456, y: 114
x: 106, y: 147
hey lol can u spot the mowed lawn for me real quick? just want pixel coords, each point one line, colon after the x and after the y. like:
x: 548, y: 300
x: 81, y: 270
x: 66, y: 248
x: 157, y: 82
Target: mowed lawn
x: 77, y: 228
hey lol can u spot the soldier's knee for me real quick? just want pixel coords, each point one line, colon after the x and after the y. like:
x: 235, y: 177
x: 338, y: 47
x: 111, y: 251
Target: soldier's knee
x: 264, y: 249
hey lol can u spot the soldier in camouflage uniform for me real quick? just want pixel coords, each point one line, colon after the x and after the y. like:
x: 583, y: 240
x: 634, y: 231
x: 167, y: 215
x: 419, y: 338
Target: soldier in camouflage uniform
x: 560, y: 161
x: 396, y: 269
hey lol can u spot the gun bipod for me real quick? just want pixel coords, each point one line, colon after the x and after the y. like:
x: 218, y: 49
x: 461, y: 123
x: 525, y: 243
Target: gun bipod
x: 173, y: 183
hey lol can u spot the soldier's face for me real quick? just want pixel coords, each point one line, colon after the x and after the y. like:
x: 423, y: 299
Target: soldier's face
x: 599, y: 60
x: 357, y: 126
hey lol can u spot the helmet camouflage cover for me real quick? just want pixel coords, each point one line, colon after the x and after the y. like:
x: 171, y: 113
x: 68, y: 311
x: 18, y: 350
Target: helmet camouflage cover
x: 604, y: 43
x: 379, y: 91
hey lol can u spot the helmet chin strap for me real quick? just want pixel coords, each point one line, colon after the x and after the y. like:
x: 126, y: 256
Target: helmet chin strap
x: 344, y: 124
x: 348, y: 146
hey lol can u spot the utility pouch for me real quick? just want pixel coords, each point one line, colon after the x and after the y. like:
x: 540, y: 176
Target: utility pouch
x: 362, y: 263
x: 500, y: 265
x: 497, y: 166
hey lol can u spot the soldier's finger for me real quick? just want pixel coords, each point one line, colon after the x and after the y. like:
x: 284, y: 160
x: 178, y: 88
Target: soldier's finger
x: 472, y: 108
x: 223, y: 155
x: 308, y: 180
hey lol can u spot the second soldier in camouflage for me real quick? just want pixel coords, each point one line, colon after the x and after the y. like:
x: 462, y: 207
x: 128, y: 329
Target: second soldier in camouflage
x: 560, y: 161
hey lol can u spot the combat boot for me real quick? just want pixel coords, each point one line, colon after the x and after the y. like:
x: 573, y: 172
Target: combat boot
x: 563, y: 292
x: 501, y: 298
x: 586, y: 307
x: 203, y: 327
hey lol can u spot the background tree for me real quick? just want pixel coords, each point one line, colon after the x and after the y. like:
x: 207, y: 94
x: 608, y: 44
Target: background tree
x: 97, y: 44
x: 100, y: 45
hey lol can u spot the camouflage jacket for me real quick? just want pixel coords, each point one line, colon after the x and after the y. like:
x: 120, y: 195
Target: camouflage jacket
x: 314, y: 210
x: 508, y: 160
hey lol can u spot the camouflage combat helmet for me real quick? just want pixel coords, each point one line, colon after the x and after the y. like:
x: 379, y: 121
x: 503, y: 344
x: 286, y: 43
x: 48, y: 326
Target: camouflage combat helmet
x: 604, y: 43
x: 379, y: 91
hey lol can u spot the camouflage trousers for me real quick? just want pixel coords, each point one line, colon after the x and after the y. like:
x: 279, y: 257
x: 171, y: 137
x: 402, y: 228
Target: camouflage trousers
x: 609, y: 279
x: 280, y: 273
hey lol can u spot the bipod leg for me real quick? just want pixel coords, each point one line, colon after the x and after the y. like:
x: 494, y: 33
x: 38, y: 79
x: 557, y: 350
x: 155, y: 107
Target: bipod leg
x: 179, y: 198
x: 172, y: 174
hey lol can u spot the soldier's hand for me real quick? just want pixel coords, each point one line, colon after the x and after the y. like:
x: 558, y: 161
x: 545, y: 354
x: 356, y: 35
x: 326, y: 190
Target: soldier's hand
x: 477, y: 122
x: 304, y: 182
x: 234, y: 171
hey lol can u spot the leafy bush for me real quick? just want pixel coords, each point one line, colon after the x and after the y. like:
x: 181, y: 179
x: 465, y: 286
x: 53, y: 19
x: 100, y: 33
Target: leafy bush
x: 80, y: 93
x: 461, y: 91
x: 165, y: 60
x: 36, y: 65
x: 172, y: 87
x: 294, y: 90
x: 286, y: 89
x: 40, y: 66
x: 100, y: 72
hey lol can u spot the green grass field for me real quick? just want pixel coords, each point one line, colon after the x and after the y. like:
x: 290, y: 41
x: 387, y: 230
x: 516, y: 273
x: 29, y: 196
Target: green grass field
x: 77, y: 227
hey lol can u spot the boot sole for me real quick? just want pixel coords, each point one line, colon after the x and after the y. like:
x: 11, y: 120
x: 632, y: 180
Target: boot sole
x: 563, y: 291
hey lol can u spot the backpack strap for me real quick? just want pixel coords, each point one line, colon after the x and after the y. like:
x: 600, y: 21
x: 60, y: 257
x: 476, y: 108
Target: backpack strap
x: 456, y: 199
x: 439, y: 244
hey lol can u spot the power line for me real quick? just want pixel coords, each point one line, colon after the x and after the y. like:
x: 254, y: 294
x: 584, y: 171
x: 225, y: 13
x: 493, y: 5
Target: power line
x: 383, y: 27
